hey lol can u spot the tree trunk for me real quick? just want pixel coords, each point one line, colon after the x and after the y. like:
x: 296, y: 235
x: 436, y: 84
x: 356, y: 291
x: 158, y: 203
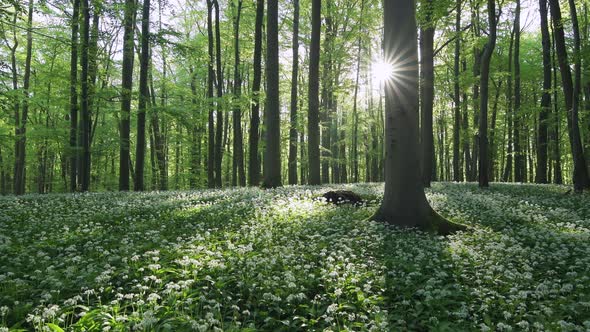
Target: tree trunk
x: 519, y: 158
x: 127, y: 85
x: 74, y: 98
x: 483, y: 101
x: 238, y: 145
x: 507, y: 175
x: 456, y: 98
x: 143, y: 98
x: 294, y: 80
x: 254, y: 134
x: 427, y: 95
x: 556, y: 121
x: 272, y: 155
x: 84, y: 109
x: 355, y: 115
x: 571, y: 91
x: 541, y: 172
x: 210, y: 83
x: 21, y: 124
x: 3, y: 181
x: 313, y: 125
x: 219, y: 73
x: 471, y: 172
x: 194, y: 133
x: 492, y: 145
x: 404, y: 202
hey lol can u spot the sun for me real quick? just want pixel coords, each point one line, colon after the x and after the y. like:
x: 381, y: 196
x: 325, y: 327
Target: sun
x: 381, y: 72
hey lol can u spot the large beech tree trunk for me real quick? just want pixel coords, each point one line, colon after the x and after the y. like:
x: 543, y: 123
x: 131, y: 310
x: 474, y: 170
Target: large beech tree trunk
x: 404, y: 203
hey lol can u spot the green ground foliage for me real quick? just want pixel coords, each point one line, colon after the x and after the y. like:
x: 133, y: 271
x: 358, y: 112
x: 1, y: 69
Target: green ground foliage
x: 248, y: 259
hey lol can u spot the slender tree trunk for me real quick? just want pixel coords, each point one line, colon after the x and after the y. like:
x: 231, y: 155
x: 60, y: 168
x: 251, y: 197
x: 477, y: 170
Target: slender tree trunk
x: 465, y: 138
x: 272, y: 155
x: 3, y: 181
x: 313, y: 125
x: 483, y: 101
x: 292, y: 167
x: 509, y: 113
x: 519, y: 157
x: 254, y: 134
x: 556, y: 121
x: 194, y: 131
x: 355, y: 115
x: 457, y: 98
x: 541, y: 172
x: 219, y: 73
x: 143, y: 98
x: 21, y: 125
x: 238, y: 146
x: 477, y: 55
x: 571, y: 91
x: 74, y: 98
x: 127, y: 85
x: 84, y: 109
x: 327, y: 89
x: 492, y: 145
x: 427, y: 94
x: 210, y: 83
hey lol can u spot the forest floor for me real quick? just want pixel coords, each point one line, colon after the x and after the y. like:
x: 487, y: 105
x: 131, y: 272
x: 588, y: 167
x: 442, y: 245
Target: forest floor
x: 248, y: 259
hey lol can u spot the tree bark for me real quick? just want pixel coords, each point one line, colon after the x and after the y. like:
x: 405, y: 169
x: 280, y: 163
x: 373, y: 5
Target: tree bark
x: 127, y: 85
x: 219, y: 75
x: 272, y: 155
x: 238, y: 145
x: 254, y: 134
x: 292, y: 167
x: 541, y: 172
x: 457, y: 97
x: 355, y: 115
x: 143, y: 97
x: 519, y: 158
x: 571, y: 91
x: 483, y: 101
x: 84, y: 96
x: 404, y: 202
x: 21, y: 124
x: 507, y: 175
x: 313, y: 125
x: 427, y: 95
x: 73, y: 162
x: 211, y: 116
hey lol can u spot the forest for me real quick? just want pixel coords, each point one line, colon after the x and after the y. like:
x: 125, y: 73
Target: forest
x: 183, y: 105
x: 168, y: 165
